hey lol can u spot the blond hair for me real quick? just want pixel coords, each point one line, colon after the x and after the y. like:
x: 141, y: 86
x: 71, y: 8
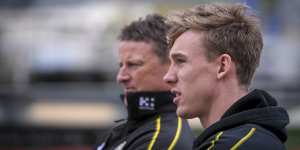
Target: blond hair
x: 229, y: 28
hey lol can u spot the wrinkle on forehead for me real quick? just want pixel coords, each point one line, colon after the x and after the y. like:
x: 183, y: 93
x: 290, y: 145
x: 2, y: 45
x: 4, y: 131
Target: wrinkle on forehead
x: 131, y: 50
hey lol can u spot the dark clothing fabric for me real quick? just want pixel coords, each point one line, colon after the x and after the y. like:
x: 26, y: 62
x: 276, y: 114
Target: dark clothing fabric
x: 152, y: 124
x: 253, y: 122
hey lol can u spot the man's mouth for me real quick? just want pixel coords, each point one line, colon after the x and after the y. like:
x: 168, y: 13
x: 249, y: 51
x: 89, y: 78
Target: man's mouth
x: 177, y: 94
x: 129, y: 89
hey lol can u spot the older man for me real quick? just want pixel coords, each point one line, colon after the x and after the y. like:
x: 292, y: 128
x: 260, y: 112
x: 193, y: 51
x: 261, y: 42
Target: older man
x: 152, y: 122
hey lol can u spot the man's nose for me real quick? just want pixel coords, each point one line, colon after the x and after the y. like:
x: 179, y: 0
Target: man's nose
x: 170, y: 77
x: 122, y: 76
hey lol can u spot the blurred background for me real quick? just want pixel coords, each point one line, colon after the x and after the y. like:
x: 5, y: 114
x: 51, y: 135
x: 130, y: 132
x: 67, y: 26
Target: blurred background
x: 58, y: 62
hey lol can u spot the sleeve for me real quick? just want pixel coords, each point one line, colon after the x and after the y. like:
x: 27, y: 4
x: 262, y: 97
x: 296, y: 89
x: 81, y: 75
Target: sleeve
x: 244, y: 139
x: 101, y: 141
x: 110, y: 137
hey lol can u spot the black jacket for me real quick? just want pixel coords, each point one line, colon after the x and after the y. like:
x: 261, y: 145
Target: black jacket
x: 152, y: 124
x: 254, y: 122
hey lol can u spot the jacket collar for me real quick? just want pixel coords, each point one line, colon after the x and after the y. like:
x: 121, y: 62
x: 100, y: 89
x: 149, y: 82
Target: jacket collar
x: 142, y: 105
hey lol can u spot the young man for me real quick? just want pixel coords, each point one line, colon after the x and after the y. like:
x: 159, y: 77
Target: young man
x: 215, y: 50
x: 152, y: 121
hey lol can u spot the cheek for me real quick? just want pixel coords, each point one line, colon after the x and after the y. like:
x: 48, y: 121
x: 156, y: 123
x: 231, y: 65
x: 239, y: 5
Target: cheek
x: 148, y: 79
x: 140, y: 76
x: 186, y: 78
x: 186, y: 84
x: 136, y: 78
x: 195, y: 86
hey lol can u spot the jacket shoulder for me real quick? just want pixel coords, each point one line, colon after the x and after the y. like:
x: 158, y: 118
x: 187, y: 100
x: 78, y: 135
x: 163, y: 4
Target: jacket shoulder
x: 162, y: 133
x: 111, y: 137
x: 248, y: 136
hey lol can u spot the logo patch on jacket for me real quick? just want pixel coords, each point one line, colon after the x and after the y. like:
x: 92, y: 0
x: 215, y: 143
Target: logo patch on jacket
x: 146, y: 103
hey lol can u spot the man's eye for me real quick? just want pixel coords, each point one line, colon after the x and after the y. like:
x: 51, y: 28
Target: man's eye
x: 134, y: 64
x: 179, y: 60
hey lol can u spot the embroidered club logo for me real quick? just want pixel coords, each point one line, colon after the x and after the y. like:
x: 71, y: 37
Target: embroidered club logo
x: 146, y: 103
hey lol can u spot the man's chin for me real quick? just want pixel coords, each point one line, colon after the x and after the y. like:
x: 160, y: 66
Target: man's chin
x: 183, y: 114
x: 130, y: 90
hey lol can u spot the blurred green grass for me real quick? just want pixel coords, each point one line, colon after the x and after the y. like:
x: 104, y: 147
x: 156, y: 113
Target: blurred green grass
x: 293, y: 142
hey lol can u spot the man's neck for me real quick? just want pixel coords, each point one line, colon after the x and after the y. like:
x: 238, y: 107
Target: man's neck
x: 222, y: 101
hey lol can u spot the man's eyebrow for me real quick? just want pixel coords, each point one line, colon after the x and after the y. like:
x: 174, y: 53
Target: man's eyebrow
x: 177, y: 55
x: 131, y: 61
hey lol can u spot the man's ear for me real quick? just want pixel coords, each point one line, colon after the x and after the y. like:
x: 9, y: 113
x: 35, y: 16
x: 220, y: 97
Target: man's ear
x: 225, y: 64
